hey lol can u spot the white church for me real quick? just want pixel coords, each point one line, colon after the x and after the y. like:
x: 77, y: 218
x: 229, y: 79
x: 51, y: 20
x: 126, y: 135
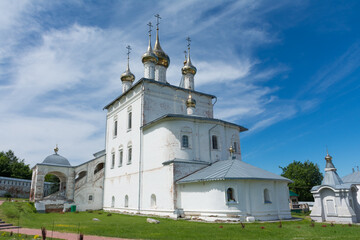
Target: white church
x: 167, y: 155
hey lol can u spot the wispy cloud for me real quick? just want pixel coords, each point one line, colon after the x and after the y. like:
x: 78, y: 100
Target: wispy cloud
x: 56, y: 75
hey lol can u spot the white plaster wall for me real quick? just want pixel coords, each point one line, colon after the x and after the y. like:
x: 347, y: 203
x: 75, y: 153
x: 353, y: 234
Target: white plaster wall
x: 160, y: 100
x: 209, y: 198
x: 91, y: 184
x: 166, y: 136
x: 122, y: 180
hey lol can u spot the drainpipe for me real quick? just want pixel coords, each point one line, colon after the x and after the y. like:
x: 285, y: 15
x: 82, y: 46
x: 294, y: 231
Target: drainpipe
x: 103, y: 191
x: 140, y: 147
x: 210, y: 140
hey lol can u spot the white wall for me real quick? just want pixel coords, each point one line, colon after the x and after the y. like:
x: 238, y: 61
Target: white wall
x: 248, y: 195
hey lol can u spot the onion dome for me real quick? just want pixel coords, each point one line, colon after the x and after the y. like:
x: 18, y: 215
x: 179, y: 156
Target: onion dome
x: 329, y: 163
x: 188, y: 67
x: 163, y: 58
x: 149, y: 56
x: 190, y: 102
x: 127, y: 75
x: 56, y: 159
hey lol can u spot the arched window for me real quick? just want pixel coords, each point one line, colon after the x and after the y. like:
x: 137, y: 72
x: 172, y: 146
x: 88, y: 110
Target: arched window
x: 115, y: 128
x: 112, y: 159
x: 121, y: 155
x: 266, y: 196
x: 230, y: 195
x: 185, y: 141
x: 214, y: 142
x: 153, y: 201
x: 129, y: 120
x: 235, y: 146
x: 126, y: 201
x: 129, y: 154
x: 113, y: 201
x: 98, y: 167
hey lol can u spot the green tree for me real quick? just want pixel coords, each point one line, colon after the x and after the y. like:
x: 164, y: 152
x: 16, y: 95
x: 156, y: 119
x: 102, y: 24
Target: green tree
x: 12, y: 166
x: 305, y: 175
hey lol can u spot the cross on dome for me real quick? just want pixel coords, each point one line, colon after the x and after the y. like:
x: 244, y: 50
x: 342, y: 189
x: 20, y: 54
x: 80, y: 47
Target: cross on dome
x: 157, y: 20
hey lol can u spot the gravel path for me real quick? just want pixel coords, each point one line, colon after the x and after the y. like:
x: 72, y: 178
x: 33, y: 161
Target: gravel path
x: 61, y: 235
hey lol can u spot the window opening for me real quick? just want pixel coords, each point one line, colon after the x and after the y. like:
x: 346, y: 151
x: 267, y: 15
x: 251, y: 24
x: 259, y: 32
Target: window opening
x: 126, y: 201
x: 90, y: 197
x: 115, y: 128
x: 235, y: 146
x: 266, y: 196
x: 129, y: 155
x: 120, y: 157
x: 129, y: 120
x: 230, y: 195
x: 112, y: 160
x: 214, y: 142
x: 185, y: 141
x: 153, y: 200
x: 113, y: 201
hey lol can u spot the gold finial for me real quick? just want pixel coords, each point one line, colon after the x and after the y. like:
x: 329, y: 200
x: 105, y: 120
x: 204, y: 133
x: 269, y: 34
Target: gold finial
x: 163, y: 58
x: 188, y: 67
x: 127, y: 75
x: 185, y: 52
x: 56, y: 149
x: 149, y: 56
x: 327, y: 157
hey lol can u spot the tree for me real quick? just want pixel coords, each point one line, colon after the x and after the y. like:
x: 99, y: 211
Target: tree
x: 305, y: 176
x: 12, y: 166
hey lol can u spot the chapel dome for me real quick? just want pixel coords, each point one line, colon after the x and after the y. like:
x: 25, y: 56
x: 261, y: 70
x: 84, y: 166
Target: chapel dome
x: 127, y: 76
x: 56, y: 159
x: 188, y: 68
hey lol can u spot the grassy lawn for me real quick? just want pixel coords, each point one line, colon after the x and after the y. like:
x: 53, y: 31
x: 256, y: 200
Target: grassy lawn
x: 127, y: 226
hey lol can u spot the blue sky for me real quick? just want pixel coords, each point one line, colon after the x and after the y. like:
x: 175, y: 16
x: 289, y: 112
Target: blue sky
x: 287, y: 70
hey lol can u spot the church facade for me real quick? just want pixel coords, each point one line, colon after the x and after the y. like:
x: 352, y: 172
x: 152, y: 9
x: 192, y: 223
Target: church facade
x: 167, y: 155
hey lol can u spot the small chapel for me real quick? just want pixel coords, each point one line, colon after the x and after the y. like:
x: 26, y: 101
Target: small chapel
x: 166, y: 154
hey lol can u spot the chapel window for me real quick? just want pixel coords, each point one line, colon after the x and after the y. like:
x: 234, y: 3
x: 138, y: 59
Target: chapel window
x: 266, y: 196
x: 115, y: 128
x: 126, y: 201
x: 185, y: 141
x: 90, y: 197
x: 112, y: 160
x: 214, y: 142
x: 153, y: 200
x: 230, y: 195
x: 121, y: 154
x: 129, y: 154
x: 113, y: 201
x: 235, y: 146
x: 129, y: 120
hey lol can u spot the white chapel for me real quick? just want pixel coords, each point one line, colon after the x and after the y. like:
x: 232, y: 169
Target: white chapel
x: 167, y: 155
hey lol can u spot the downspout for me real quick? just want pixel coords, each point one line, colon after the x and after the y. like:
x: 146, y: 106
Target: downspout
x: 140, y: 147
x: 210, y: 140
x: 103, y: 193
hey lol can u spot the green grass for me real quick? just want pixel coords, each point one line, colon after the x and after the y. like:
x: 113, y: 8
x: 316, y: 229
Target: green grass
x: 129, y: 226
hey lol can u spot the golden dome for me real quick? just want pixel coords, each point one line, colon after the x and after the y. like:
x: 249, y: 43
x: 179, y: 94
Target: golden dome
x: 163, y: 58
x: 149, y: 56
x: 127, y: 76
x: 190, y: 102
x: 188, y: 67
x: 328, y: 157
